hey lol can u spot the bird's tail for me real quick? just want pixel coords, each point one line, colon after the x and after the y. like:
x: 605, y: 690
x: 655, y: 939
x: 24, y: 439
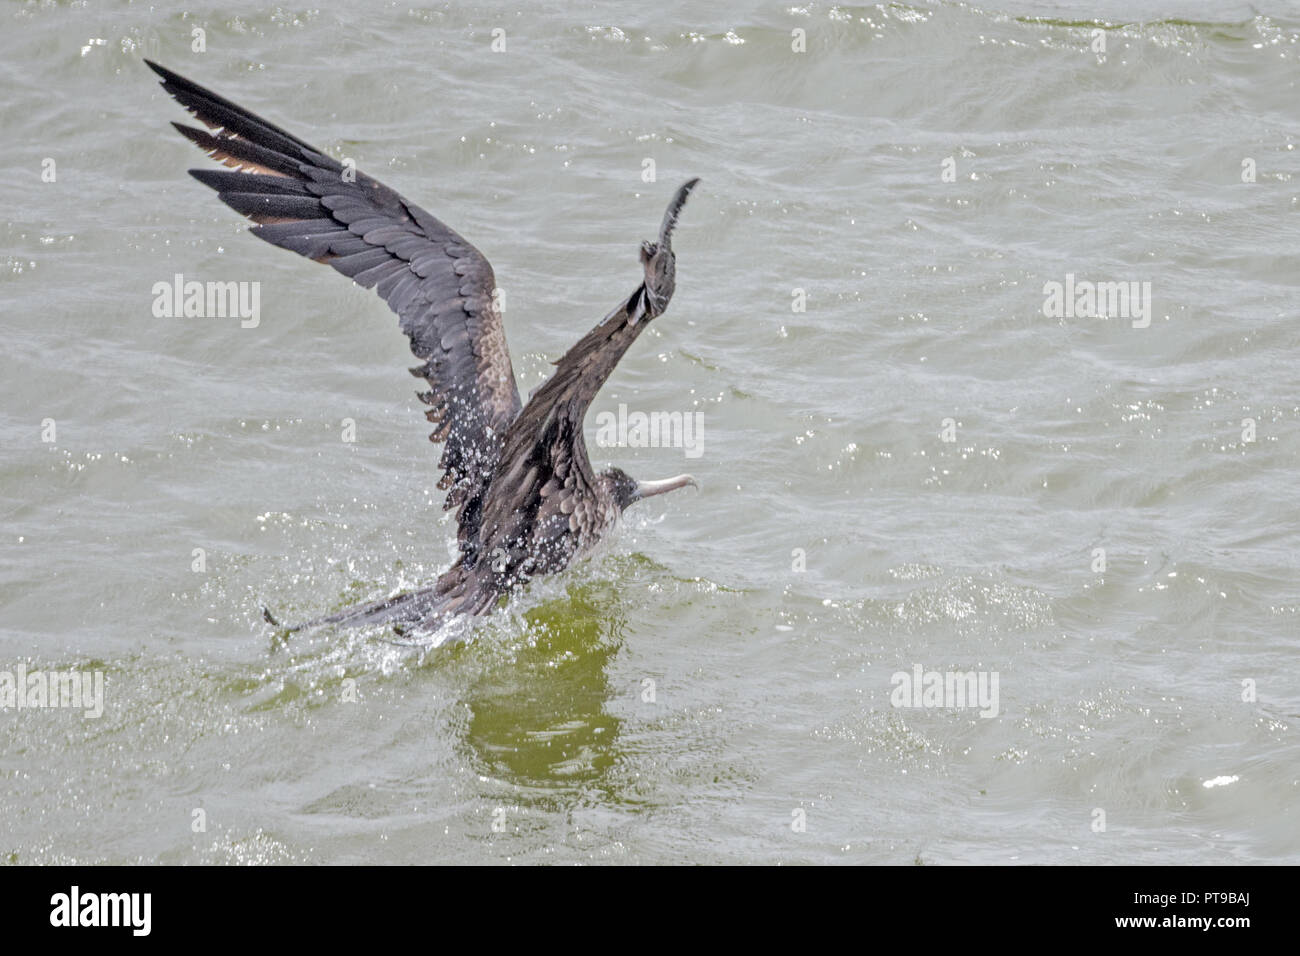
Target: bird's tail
x: 455, y: 593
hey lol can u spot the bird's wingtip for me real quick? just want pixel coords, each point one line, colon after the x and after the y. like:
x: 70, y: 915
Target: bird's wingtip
x: 674, y: 210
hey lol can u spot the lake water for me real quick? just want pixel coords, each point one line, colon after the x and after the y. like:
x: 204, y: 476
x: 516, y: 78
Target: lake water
x: 910, y: 460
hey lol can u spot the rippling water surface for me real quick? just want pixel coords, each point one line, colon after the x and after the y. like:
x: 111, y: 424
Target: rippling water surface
x: 715, y: 685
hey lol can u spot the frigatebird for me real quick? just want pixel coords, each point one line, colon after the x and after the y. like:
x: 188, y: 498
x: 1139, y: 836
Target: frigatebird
x: 526, y: 497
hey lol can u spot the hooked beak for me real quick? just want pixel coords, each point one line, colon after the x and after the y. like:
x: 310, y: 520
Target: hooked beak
x: 648, y: 489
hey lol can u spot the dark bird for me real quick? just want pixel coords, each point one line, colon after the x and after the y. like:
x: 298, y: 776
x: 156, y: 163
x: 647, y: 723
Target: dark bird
x: 526, y: 498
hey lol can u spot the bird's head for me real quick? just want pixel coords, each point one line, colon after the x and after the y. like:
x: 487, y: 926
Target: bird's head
x: 627, y: 490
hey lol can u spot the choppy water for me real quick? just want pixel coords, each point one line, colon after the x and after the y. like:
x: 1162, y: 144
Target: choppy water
x: 1120, y: 691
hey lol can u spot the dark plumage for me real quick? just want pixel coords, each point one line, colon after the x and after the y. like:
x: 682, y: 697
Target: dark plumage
x: 526, y: 498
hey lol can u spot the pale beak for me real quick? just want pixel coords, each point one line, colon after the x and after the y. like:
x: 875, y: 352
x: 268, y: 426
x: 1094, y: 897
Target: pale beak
x: 647, y: 489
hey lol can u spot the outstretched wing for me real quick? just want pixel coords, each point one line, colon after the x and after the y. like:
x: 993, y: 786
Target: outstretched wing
x: 545, y: 484
x: 439, y: 285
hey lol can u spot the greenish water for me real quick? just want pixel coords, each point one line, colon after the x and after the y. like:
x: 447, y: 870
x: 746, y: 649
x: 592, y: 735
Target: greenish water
x: 722, y: 671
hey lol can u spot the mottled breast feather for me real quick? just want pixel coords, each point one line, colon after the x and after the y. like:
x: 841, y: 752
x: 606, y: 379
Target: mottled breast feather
x: 439, y: 285
x: 545, y: 505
